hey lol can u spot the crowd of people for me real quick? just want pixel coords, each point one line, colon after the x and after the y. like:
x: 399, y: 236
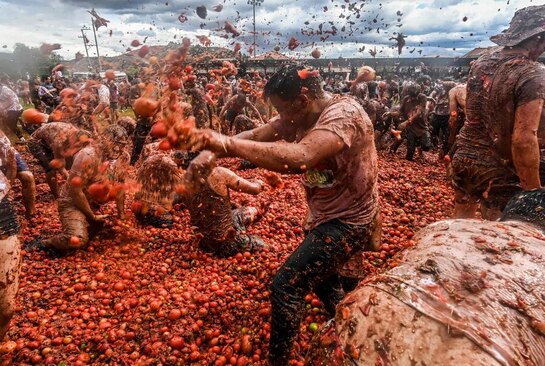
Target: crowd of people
x: 485, y: 129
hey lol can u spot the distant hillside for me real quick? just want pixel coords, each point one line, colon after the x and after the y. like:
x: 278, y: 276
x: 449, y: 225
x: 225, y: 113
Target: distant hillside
x: 130, y: 61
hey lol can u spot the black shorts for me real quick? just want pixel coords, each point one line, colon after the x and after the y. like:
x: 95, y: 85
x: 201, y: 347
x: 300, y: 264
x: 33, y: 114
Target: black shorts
x: 9, y: 225
x: 164, y: 220
x: 230, y: 115
x: 21, y: 164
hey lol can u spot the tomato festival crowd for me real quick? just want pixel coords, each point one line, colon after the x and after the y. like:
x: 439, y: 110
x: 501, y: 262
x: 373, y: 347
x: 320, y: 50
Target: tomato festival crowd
x: 291, y: 218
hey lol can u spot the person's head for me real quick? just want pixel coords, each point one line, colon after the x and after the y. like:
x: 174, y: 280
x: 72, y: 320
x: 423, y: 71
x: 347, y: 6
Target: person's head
x: 113, y: 141
x: 293, y: 90
x: 128, y: 123
x: 366, y: 73
x: 411, y: 89
x: 448, y: 84
x: 241, y: 98
x: 68, y: 96
x: 181, y: 158
x: 424, y: 80
x: 4, y: 78
x: 527, y: 207
x: 526, y: 31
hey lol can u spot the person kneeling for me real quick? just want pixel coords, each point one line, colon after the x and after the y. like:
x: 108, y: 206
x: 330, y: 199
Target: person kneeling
x: 207, y: 198
x: 88, y: 181
x: 158, y: 176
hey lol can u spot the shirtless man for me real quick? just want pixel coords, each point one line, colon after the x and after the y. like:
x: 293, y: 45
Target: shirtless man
x: 24, y: 91
x: 74, y: 203
x: 209, y: 204
x: 498, y: 148
x: 457, y: 108
x: 233, y: 109
x: 415, y: 127
x: 52, y: 144
x: 10, y: 248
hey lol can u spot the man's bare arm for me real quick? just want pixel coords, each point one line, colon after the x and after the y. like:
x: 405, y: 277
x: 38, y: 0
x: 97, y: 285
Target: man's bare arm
x: 120, y: 204
x: 453, y: 115
x: 227, y: 178
x: 254, y: 109
x: 265, y: 133
x: 525, y: 146
x: 225, y: 108
x: 11, y: 169
x: 279, y: 156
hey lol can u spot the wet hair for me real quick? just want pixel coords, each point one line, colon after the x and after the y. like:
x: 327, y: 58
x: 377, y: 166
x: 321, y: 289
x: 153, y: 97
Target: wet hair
x: 115, y: 134
x: 128, y: 123
x: 241, y: 98
x: 423, y: 78
x: 448, y: 85
x: 412, y: 89
x: 286, y: 84
x: 527, y: 207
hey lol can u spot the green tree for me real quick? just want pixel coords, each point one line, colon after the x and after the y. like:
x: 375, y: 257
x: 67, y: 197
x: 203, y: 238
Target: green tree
x: 33, y: 61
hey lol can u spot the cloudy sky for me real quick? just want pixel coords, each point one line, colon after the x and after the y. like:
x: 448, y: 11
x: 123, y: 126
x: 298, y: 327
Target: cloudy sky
x: 336, y: 27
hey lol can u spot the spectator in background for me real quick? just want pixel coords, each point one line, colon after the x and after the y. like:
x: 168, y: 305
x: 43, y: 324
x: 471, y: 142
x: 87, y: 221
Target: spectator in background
x: 114, y: 100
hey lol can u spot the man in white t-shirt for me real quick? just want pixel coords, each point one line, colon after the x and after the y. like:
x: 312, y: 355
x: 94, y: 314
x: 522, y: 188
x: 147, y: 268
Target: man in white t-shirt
x: 103, y: 99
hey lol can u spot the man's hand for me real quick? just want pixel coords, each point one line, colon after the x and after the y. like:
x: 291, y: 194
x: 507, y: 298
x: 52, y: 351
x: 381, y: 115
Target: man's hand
x: 99, y: 218
x: 207, y: 140
x: 262, y: 185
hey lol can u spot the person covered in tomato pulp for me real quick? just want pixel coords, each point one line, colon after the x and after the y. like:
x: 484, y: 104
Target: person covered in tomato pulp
x: 499, y: 148
x: 330, y: 141
x: 206, y: 195
x: 10, y: 248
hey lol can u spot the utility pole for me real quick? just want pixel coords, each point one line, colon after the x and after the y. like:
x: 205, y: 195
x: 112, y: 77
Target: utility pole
x: 87, y: 45
x: 96, y: 44
x: 85, y: 39
x: 255, y: 3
